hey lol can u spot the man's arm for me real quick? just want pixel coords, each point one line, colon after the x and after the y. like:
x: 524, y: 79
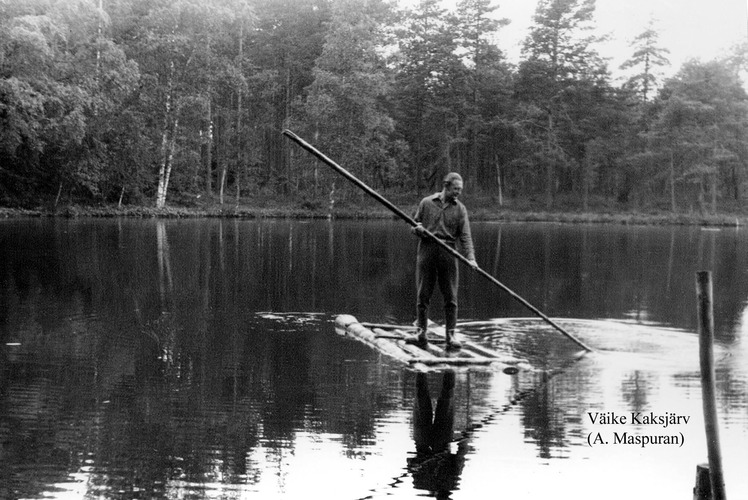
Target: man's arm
x: 466, y: 239
x: 418, y: 217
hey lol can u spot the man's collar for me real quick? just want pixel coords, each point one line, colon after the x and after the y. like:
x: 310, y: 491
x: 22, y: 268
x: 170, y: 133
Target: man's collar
x: 440, y: 196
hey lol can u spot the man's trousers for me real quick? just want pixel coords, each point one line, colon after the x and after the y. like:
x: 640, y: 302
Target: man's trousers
x: 434, y: 265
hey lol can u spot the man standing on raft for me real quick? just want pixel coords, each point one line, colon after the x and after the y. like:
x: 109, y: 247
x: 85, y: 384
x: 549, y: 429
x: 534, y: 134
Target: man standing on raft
x: 444, y: 216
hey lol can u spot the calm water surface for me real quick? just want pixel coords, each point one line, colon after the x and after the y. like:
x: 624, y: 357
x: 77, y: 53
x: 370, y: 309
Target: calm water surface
x: 196, y: 359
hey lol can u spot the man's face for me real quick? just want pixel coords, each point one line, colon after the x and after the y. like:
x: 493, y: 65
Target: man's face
x: 453, y: 191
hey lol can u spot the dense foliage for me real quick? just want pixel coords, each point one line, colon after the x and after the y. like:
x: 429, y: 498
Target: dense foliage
x: 142, y: 101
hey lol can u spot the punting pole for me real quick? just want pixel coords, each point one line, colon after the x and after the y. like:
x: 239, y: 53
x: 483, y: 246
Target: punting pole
x: 708, y: 391
x: 381, y: 199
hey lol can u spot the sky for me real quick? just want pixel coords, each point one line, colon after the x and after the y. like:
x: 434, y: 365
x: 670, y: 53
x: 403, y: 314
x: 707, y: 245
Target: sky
x: 701, y: 29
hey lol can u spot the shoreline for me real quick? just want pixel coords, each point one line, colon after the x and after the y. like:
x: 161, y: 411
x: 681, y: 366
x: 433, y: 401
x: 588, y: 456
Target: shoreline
x: 481, y: 214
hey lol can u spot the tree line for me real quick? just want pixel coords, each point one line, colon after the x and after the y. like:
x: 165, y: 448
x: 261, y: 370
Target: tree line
x: 144, y: 101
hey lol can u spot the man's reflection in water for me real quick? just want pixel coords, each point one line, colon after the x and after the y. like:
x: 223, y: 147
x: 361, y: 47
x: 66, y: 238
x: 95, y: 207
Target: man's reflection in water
x: 435, y: 467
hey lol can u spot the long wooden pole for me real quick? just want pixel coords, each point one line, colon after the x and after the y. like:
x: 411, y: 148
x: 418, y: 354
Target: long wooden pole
x: 708, y: 391
x: 381, y: 199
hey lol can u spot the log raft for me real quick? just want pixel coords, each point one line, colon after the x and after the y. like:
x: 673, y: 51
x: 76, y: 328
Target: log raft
x: 390, y: 340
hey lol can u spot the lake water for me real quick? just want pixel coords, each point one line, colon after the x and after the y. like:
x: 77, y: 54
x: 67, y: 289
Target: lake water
x: 191, y: 359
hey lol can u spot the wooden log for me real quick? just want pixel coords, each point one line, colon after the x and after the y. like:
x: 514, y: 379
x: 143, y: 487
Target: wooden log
x: 416, y: 352
x: 708, y: 391
x: 343, y: 320
x: 438, y: 351
x: 480, y: 349
x: 387, y: 326
x: 441, y: 333
x: 392, y: 343
x: 361, y: 332
x: 349, y: 325
x: 452, y: 361
x: 369, y: 338
x: 437, y: 332
x: 469, y: 348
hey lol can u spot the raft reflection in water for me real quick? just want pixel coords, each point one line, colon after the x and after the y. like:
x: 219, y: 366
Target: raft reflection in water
x: 435, y: 466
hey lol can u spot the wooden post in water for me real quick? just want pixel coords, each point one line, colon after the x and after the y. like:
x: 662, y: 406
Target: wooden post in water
x: 703, y: 488
x: 706, y: 360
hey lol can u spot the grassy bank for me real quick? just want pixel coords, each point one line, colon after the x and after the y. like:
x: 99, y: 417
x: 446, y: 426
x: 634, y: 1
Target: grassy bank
x: 480, y: 210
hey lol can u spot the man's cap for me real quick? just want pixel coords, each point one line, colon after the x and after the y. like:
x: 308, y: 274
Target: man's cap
x: 452, y: 176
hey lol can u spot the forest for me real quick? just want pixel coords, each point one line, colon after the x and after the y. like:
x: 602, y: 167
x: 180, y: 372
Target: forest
x: 151, y: 102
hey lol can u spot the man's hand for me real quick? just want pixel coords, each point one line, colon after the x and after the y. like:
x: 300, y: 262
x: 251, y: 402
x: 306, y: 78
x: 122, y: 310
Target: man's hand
x: 473, y: 264
x: 419, y: 231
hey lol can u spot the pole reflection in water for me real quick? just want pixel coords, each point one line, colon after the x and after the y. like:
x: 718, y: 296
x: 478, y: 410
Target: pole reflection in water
x: 435, y: 467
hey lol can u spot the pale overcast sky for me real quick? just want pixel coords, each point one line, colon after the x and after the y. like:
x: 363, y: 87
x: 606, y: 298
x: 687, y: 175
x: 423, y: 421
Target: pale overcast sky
x: 702, y: 29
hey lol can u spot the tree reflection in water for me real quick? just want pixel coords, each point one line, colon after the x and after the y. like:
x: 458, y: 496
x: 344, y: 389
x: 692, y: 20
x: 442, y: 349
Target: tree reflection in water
x: 183, y: 358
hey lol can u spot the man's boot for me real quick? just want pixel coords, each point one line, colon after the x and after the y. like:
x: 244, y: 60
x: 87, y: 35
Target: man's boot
x: 452, y: 342
x: 419, y: 338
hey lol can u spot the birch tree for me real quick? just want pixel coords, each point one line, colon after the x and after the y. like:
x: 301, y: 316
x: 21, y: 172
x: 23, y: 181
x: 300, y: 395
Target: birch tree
x: 173, y: 50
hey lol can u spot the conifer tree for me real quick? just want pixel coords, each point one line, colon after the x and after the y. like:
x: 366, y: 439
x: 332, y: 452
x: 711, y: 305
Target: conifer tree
x: 647, y: 60
x: 559, y: 71
x: 702, y: 132
x: 427, y: 69
x: 346, y: 102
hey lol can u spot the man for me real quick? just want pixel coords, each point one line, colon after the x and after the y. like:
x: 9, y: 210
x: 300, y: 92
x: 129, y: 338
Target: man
x: 443, y: 215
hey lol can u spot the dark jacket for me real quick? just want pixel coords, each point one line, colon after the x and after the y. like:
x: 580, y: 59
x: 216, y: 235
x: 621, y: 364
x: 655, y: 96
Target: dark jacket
x: 447, y: 221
